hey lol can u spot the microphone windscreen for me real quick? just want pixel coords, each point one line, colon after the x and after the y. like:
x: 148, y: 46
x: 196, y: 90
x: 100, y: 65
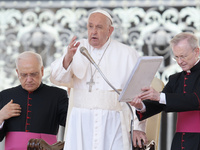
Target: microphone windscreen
x: 84, y: 51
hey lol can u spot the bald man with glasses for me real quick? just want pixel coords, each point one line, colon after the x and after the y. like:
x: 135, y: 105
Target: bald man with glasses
x: 32, y: 109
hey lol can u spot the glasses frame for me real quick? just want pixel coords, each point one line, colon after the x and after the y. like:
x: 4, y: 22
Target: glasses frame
x: 183, y: 57
x: 31, y: 75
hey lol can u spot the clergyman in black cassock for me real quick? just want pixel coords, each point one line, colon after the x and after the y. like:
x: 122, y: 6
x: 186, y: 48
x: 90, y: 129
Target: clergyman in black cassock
x: 181, y: 94
x: 40, y: 108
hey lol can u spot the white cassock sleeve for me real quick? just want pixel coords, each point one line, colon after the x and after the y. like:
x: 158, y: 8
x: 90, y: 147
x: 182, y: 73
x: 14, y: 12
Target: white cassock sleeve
x: 138, y: 125
x: 59, y: 75
x: 64, y: 77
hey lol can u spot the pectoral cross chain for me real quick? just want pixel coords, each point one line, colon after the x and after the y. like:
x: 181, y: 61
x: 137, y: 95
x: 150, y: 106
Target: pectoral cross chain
x: 91, y: 83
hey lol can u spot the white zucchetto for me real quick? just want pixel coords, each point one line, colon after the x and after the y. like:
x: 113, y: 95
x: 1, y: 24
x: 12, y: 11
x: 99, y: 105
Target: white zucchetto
x: 104, y: 13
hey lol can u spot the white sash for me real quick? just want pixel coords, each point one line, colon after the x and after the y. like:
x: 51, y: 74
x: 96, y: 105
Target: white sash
x: 107, y: 100
x: 96, y: 100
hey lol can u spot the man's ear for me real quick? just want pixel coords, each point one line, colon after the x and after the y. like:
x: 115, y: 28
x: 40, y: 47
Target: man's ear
x: 42, y: 70
x: 197, y: 51
x: 17, y: 73
x: 111, y: 30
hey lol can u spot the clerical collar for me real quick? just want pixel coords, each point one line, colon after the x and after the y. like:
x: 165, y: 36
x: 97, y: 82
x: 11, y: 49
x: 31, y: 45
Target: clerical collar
x: 41, y: 85
x: 104, y: 46
x: 196, y: 62
x: 196, y: 66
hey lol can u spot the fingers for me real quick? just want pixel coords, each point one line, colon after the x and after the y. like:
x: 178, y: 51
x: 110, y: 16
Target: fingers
x: 72, y: 42
x: 139, y: 138
x: 150, y: 94
x: 135, y: 139
x: 147, y: 93
x: 11, y: 101
x: 73, y: 45
x: 142, y: 139
x: 137, y: 103
x: 72, y: 48
x: 145, y: 88
x: 139, y: 142
x: 15, y: 113
x: 11, y: 110
x: 13, y: 106
x: 145, y: 140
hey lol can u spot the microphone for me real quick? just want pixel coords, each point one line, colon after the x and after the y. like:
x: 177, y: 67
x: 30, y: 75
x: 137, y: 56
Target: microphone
x: 84, y: 51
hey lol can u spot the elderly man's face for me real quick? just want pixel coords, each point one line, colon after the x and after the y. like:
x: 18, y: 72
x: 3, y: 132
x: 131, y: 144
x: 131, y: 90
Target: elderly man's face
x: 185, y: 56
x: 99, y: 29
x: 30, y: 73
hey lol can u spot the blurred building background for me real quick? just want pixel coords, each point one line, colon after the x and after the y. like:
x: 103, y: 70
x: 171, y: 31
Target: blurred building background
x: 48, y: 26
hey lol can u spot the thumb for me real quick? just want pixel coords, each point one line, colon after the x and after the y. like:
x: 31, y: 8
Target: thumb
x: 145, y: 88
x: 11, y: 101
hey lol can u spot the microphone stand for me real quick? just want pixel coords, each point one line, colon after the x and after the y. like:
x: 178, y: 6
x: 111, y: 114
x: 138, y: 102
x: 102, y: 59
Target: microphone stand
x: 104, y: 77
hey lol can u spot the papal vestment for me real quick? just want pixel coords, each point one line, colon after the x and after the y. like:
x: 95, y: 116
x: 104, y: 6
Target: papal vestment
x: 98, y: 121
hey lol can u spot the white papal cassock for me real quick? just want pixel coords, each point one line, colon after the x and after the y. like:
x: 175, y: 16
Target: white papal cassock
x: 97, y: 120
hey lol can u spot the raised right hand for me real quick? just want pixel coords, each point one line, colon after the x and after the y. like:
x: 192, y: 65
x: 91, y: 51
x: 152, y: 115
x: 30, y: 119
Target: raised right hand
x: 72, y: 48
x: 9, y: 110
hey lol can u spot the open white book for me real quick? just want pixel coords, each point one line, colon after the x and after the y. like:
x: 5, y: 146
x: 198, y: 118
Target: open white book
x: 141, y: 76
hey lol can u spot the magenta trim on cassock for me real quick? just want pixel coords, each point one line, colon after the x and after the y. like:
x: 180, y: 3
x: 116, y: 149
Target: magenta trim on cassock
x: 19, y: 140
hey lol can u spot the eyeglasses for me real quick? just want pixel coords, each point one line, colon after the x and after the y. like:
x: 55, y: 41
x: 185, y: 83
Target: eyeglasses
x: 183, y: 57
x: 25, y: 75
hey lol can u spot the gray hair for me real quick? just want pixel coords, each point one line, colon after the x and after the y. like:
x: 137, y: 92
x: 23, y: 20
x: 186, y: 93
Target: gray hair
x: 190, y: 37
x: 29, y: 54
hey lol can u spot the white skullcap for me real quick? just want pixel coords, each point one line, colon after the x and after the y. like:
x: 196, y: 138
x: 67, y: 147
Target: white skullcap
x: 104, y: 13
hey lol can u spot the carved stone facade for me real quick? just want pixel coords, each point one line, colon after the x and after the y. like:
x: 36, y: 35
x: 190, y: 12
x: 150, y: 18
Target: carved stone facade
x: 48, y: 26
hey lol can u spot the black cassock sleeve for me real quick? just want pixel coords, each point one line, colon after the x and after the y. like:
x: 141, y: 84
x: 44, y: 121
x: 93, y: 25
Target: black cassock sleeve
x: 182, y: 102
x: 2, y: 131
x: 175, y: 102
x: 63, y: 107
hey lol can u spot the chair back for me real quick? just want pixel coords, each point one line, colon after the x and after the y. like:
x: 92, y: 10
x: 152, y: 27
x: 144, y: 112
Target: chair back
x: 153, y: 123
